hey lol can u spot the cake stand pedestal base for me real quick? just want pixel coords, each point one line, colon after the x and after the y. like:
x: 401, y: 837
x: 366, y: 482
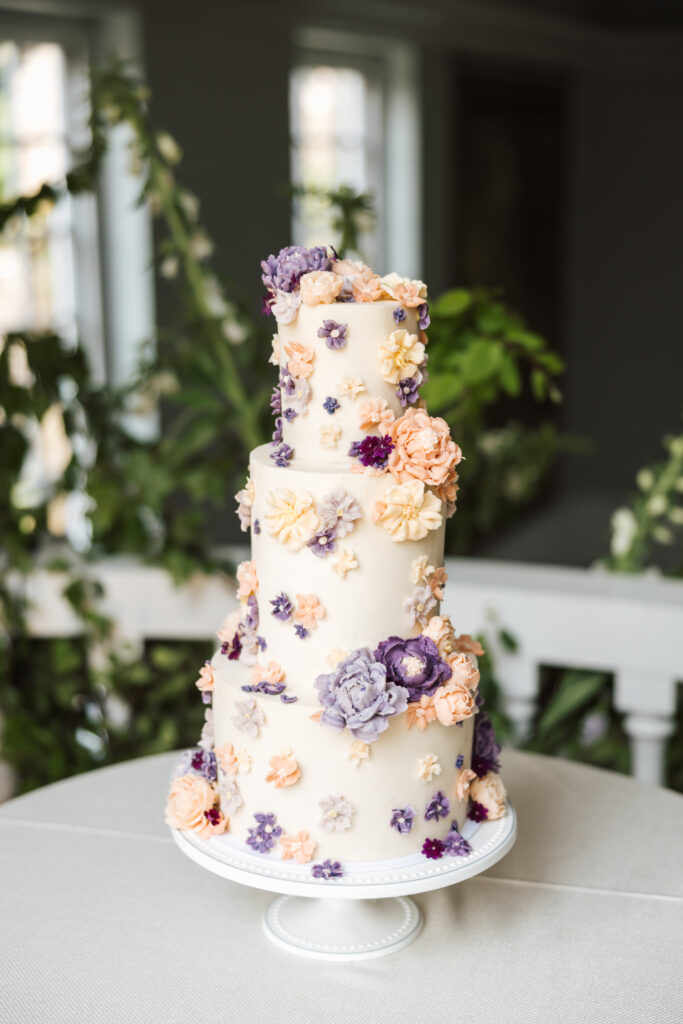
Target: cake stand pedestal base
x: 342, y: 930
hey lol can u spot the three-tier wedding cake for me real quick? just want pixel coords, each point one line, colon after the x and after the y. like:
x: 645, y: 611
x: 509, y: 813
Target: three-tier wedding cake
x: 343, y: 720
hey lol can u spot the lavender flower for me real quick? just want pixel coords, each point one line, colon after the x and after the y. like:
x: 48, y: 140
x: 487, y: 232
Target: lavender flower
x: 330, y: 405
x: 276, y: 402
x: 286, y: 699
x: 402, y: 818
x: 282, y: 456
x: 197, y: 761
x: 257, y: 527
x: 420, y: 605
x: 277, y: 431
x: 300, y: 395
x: 282, y: 607
x: 328, y: 869
x: 399, y: 315
x: 285, y: 307
x: 460, y: 760
x: 337, y: 814
x: 233, y: 648
x: 455, y: 844
x: 290, y: 414
x: 284, y: 271
x: 358, y: 696
x: 414, y: 664
x: 338, y: 511
x: 438, y: 807
x: 249, y: 717
x: 260, y: 640
x: 301, y: 631
x: 423, y: 318
x: 266, y: 832
x: 433, y: 849
x: 333, y: 333
x: 477, y: 811
x: 323, y: 543
x: 230, y: 795
x: 408, y: 390
x: 485, y: 750
x: 372, y: 451
x: 287, y: 383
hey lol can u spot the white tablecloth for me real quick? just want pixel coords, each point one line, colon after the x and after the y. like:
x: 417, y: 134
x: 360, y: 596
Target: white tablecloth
x: 102, y: 919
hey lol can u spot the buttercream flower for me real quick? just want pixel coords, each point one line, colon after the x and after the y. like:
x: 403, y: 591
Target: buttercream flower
x: 233, y: 761
x: 367, y: 288
x: 328, y: 869
x: 423, y: 317
x: 376, y: 414
x: 197, y: 761
x: 423, y: 449
x: 297, y: 396
x: 245, y: 503
x: 282, y: 607
x: 188, y: 798
x: 462, y: 783
x: 229, y: 627
x: 345, y: 562
x: 408, y: 390
x: 427, y: 767
x: 477, y: 812
x: 351, y: 387
x: 320, y: 287
x: 402, y: 819
x: 263, y: 836
x: 282, y: 455
x: 373, y: 451
x: 323, y: 544
x: 455, y: 844
x: 337, y: 813
x: 230, y: 796
x: 285, y: 308
x: 308, y: 610
x: 249, y: 717
x: 359, y: 697
x: 284, y: 271
x: 440, y: 630
x: 463, y: 670
x: 335, y: 655
x: 437, y: 582
x: 419, y: 605
x: 330, y: 405
x: 421, y: 570
x: 420, y: 713
x: 414, y: 664
x: 247, y: 579
x: 466, y: 645
x: 453, y: 703
x: 251, y: 645
x: 329, y: 436
x: 338, y: 511
x: 485, y: 749
x: 408, y: 512
x: 292, y: 518
x: 401, y: 355
x: 300, y: 359
x: 299, y: 847
x: 284, y: 770
x: 272, y: 673
x: 433, y: 849
x: 206, y: 681
x: 404, y: 290
x: 399, y: 315
x: 214, y: 824
x: 206, y: 740
x: 301, y: 631
x: 333, y: 333
x: 489, y: 792
x: 438, y: 807
x: 358, y: 751
x: 276, y: 353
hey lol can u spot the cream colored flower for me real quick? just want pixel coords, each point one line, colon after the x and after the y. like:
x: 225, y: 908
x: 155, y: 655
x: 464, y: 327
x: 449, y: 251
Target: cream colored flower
x: 421, y: 570
x: 400, y: 356
x: 275, y: 355
x: 440, y: 630
x: 320, y: 287
x: 358, y: 751
x: 408, y: 511
x: 427, y: 767
x: 404, y: 290
x: 344, y: 562
x: 329, y: 436
x: 376, y: 415
x: 351, y: 387
x: 490, y: 793
x: 335, y: 655
x: 292, y: 518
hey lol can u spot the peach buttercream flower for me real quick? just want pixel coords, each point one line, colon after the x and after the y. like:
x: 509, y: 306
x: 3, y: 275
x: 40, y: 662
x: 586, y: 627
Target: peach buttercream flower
x: 308, y: 610
x: 376, y: 414
x: 462, y: 783
x: 284, y: 770
x: 230, y: 626
x: 401, y: 355
x: 292, y: 518
x: 491, y: 794
x: 423, y: 449
x: 404, y: 290
x: 463, y: 670
x: 206, y: 681
x: 453, y: 702
x: 273, y: 673
x: 231, y: 760
x: 358, y: 751
x: 420, y: 713
x: 367, y: 288
x: 427, y: 767
x: 320, y: 287
x: 299, y: 847
x: 188, y: 798
x: 300, y: 359
x: 440, y: 630
x: 247, y: 579
x: 466, y: 645
x: 421, y: 570
x: 408, y: 511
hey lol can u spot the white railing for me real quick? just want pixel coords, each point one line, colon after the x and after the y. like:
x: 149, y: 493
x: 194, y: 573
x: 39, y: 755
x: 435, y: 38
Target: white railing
x: 630, y: 626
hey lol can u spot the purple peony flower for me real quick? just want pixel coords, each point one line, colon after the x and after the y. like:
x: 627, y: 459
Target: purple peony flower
x: 408, y: 390
x: 372, y: 451
x: 414, y: 664
x: 359, y: 697
x: 333, y: 333
x: 423, y: 318
x: 277, y: 431
x: 328, y: 869
x: 282, y: 455
x: 282, y: 607
x: 284, y: 271
x: 477, y: 811
x: 251, y: 618
x: 265, y: 833
x: 455, y: 844
x: 276, y: 402
x: 338, y: 511
x: 330, y: 405
x: 399, y: 315
x: 402, y: 819
x: 433, y: 849
x: 438, y: 807
x: 301, y: 631
x: 485, y: 750
x: 323, y: 543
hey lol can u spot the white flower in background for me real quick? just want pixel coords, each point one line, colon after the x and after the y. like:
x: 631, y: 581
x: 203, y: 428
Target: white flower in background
x: 624, y: 527
x: 645, y: 478
x: 676, y: 516
x: 351, y: 387
x: 234, y: 332
x: 201, y: 245
x: 427, y: 767
x: 189, y: 204
x: 676, y: 446
x: 214, y: 297
x: 329, y: 436
x: 169, y: 148
x: 657, y: 505
x: 169, y: 267
x: 663, y: 535
x: 344, y: 562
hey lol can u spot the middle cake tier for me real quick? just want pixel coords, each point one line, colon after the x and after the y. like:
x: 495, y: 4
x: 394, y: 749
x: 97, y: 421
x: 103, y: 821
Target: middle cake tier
x: 336, y: 556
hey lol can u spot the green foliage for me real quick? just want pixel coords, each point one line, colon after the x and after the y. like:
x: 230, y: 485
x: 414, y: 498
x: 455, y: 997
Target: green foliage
x: 350, y: 213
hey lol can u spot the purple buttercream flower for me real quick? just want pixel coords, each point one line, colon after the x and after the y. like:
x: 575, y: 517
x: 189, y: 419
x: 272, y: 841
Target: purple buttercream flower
x: 298, y: 396
x: 251, y: 618
x: 282, y: 455
x: 358, y: 696
x: 284, y: 271
x: 402, y: 819
x: 290, y: 414
x: 485, y: 750
x: 265, y: 833
x: 282, y: 607
x: 459, y: 761
x: 256, y: 527
x: 323, y: 543
x: 438, y: 807
x: 399, y: 315
x: 261, y: 643
x: 338, y: 511
x: 330, y: 405
x: 286, y: 699
x: 408, y: 390
x: 455, y: 844
x: 277, y: 431
x: 301, y: 631
x: 414, y: 663
x: 233, y: 648
x: 477, y: 811
x: 372, y: 451
x: 270, y: 689
x: 333, y: 333
x: 423, y: 316
x: 287, y: 382
x: 198, y: 762
x: 328, y: 869
x: 433, y: 849
x: 276, y: 402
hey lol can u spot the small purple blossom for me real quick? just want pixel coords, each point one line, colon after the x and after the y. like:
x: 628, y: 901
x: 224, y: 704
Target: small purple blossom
x: 213, y: 816
x: 233, y: 649
x: 455, y: 844
x: 286, y: 699
x: 328, y: 869
x: 372, y: 451
x: 263, y: 836
x: 330, y: 405
x: 438, y: 807
x: 251, y: 618
x: 270, y: 689
x: 433, y: 849
x: 459, y: 761
x: 337, y: 813
x: 399, y: 315
x: 276, y: 402
x: 287, y: 383
x: 402, y: 819
x: 261, y: 641
x: 414, y: 663
x: 197, y: 761
x: 290, y: 414
x: 282, y: 607
x: 408, y: 391
x: 282, y: 455
x: 277, y: 431
x: 485, y: 749
x: 257, y: 527
x: 301, y: 631
x: 300, y: 395
x: 338, y: 512
x: 323, y: 543
x: 333, y: 333
x: 477, y: 811
x: 423, y: 318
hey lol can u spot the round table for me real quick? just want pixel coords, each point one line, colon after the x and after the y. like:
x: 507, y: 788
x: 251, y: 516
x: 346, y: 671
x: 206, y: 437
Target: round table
x: 103, y: 920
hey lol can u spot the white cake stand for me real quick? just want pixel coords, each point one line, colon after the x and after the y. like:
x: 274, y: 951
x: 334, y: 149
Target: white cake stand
x: 363, y: 915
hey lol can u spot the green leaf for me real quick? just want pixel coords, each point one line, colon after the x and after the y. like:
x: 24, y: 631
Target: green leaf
x: 539, y: 383
x: 575, y: 691
x: 510, y: 379
x: 482, y: 360
x: 453, y: 303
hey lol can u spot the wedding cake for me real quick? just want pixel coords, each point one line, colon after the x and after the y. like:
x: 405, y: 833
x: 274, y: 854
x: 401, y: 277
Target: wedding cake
x: 343, y: 720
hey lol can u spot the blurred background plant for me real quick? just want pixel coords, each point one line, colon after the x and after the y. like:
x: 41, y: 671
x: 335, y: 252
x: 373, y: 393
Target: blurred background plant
x: 104, y: 489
